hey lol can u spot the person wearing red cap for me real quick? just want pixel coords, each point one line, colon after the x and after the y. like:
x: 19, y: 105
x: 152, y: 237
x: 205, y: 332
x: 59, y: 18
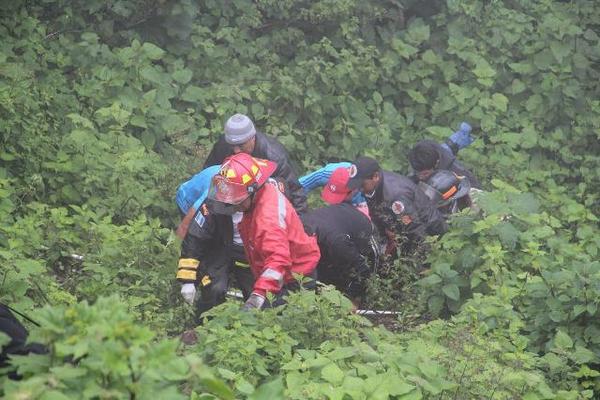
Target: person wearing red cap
x: 397, y: 206
x: 333, y: 178
x: 336, y: 190
x: 273, y: 236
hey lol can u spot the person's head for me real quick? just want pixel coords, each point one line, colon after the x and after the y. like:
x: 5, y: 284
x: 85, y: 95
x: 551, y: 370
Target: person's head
x: 240, y: 134
x: 336, y: 190
x: 424, y: 158
x: 365, y: 175
x: 239, y: 178
x: 448, y: 191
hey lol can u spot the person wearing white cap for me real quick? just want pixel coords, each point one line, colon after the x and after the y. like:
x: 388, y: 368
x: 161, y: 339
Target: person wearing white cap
x: 241, y: 136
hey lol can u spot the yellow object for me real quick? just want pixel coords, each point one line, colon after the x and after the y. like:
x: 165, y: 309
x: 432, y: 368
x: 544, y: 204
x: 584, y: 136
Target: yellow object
x: 241, y: 264
x: 188, y: 263
x: 206, y: 280
x: 186, y: 274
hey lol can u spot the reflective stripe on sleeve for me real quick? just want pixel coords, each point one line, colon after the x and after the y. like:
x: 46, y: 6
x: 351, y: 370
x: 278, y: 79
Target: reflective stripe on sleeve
x: 186, y: 274
x: 188, y: 263
x: 273, y: 275
x: 281, y: 211
x: 206, y: 280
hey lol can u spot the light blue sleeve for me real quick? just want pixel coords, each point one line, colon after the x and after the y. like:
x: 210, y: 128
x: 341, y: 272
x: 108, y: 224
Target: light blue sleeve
x: 319, y: 178
x: 194, y: 191
x: 358, y: 198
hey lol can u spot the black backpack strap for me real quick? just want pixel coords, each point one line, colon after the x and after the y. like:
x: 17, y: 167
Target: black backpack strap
x: 10, y: 309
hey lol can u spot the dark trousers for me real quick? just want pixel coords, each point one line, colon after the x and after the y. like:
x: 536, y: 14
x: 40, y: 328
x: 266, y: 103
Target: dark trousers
x: 344, y: 279
x: 219, y: 268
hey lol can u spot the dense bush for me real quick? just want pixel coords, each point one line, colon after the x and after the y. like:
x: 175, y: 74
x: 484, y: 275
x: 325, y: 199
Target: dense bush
x: 536, y: 266
x: 317, y: 349
x: 100, y: 351
x: 311, y: 348
x: 105, y: 106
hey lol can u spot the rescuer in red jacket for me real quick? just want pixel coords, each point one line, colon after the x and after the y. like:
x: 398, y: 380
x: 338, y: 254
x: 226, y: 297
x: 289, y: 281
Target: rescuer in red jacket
x: 274, y: 239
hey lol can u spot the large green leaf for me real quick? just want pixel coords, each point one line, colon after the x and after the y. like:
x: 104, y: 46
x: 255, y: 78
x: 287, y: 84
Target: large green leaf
x: 452, y: 291
x: 152, y: 51
x: 332, y: 373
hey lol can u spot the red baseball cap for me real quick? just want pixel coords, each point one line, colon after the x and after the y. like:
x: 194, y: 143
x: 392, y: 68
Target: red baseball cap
x: 336, y: 190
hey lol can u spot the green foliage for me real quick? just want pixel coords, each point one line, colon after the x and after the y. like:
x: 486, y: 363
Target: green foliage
x: 352, y: 359
x: 479, y: 358
x: 378, y: 81
x: 539, y: 271
x: 381, y: 370
x: 59, y: 255
x: 107, y: 105
x: 255, y: 345
x: 100, y: 351
x: 395, y: 287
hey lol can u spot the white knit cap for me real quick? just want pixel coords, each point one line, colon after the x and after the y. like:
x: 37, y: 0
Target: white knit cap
x: 239, y: 129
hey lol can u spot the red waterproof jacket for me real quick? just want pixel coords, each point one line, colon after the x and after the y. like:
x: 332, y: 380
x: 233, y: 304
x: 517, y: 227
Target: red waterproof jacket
x: 275, y: 242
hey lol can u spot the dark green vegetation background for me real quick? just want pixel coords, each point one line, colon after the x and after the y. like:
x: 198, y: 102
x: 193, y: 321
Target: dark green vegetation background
x: 106, y: 106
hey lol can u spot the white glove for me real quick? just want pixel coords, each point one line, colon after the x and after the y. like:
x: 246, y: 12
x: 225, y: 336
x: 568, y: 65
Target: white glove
x: 188, y: 292
x: 254, y: 301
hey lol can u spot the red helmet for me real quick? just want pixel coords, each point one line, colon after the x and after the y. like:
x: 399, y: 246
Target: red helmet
x: 240, y: 175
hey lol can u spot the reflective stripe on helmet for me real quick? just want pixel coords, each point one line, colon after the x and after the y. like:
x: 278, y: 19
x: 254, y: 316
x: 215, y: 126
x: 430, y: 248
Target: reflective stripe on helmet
x: 449, y: 192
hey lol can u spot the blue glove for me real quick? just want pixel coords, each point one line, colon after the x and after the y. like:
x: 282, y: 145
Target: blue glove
x: 462, y: 137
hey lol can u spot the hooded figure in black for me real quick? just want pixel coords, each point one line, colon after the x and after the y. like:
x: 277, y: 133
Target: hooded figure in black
x: 427, y: 156
x: 348, y: 248
x: 242, y: 137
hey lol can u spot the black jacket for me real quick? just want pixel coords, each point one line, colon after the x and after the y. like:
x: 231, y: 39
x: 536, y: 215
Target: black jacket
x: 345, y: 237
x: 398, y: 205
x: 268, y: 148
x: 209, y: 233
